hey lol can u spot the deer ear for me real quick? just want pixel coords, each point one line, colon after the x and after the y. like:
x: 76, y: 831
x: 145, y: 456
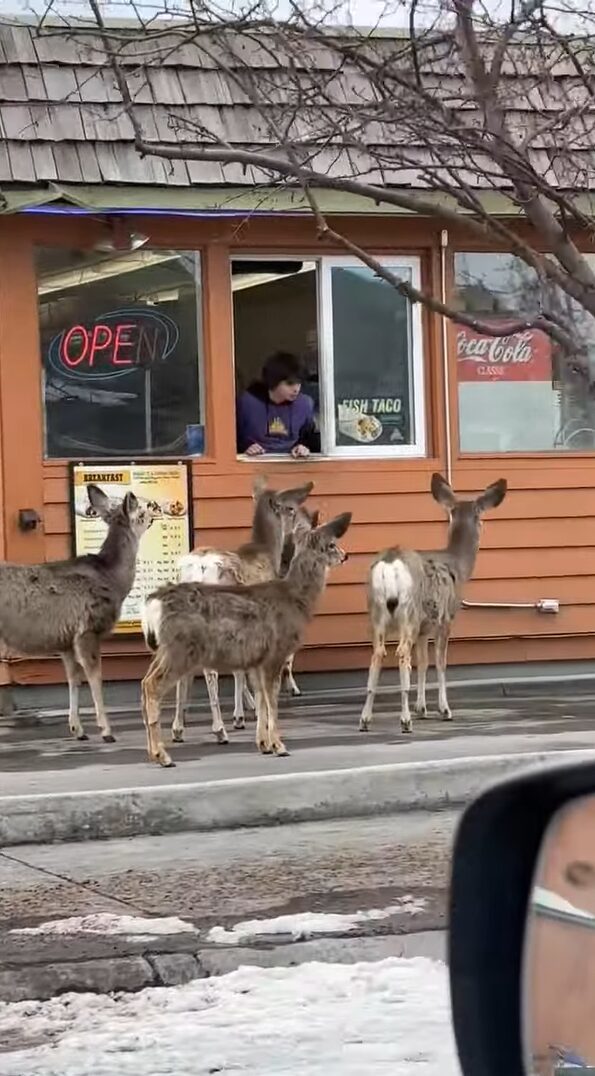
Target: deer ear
x: 99, y: 500
x: 296, y: 496
x: 336, y: 527
x: 130, y: 503
x: 492, y: 496
x: 258, y: 486
x: 442, y: 491
x: 315, y: 518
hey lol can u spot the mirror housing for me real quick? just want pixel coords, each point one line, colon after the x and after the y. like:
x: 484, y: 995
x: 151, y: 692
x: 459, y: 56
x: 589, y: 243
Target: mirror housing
x: 495, y: 857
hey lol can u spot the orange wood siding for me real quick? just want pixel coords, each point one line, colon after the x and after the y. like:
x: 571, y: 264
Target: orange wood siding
x: 539, y: 544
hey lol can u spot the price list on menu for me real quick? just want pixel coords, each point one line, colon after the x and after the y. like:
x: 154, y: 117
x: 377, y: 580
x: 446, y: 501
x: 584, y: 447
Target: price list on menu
x: 164, y: 488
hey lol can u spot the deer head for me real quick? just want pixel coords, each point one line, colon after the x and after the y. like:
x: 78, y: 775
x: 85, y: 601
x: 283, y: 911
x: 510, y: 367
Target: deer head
x: 465, y: 516
x: 285, y: 505
x: 131, y: 513
x: 323, y: 540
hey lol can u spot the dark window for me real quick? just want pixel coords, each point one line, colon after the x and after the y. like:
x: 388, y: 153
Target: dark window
x: 121, y: 352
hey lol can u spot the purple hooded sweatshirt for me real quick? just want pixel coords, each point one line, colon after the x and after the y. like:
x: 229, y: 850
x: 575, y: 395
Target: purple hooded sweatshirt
x: 276, y: 427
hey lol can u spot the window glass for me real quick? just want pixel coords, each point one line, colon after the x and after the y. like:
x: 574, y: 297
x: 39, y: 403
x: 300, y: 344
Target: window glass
x: 120, y: 344
x: 357, y: 339
x: 372, y: 375
x: 514, y: 393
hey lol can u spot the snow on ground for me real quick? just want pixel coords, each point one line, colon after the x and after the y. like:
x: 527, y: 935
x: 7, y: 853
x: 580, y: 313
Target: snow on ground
x: 309, y: 924
x: 391, y: 1017
x: 107, y: 923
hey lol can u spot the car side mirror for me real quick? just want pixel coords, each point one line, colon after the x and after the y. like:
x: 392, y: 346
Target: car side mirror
x: 522, y: 914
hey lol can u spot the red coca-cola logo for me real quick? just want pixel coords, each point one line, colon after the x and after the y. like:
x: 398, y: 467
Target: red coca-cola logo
x: 523, y: 356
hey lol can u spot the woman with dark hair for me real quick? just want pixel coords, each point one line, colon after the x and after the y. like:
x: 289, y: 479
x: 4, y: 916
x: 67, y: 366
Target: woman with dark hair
x: 273, y: 415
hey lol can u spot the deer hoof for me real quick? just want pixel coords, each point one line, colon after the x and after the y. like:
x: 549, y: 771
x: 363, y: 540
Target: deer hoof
x: 177, y: 735
x: 407, y: 726
x: 108, y: 738
x: 239, y: 722
x: 446, y: 715
x: 280, y: 750
x: 421, y: 711
x: 167, y: 763
x: 364, y: 724
x: 80, y: 736
x: 265, y: 748
x: 221, y: 736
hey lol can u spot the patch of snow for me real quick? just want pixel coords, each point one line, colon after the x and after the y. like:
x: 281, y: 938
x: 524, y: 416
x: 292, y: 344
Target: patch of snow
x: 390, y: 1018
x: 309, y: 924
x: 546, y: 898
x: 107, y: 923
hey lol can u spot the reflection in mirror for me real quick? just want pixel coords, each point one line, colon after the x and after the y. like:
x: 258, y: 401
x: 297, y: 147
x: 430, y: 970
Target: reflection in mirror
x: 559, y: 959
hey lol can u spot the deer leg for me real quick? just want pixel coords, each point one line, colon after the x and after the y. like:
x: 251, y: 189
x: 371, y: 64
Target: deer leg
x: 292, y: 687
x: 404, y: 656
x: 273, y: 689
x: 422, y: 669
x: 263, y: 739
x: 153, y: 689
x: 441, y: 645
x: 248, y: 696
x: 378, y: 655
x: 212, y: 680
x: 183, y: 688
x: 87, y: 651
x: 73, y: 675
x: 239, y: 687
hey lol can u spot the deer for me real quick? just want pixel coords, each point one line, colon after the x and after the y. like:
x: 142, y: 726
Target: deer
x: 254, y: 628
x: 416, y: 595
x: 67, y: 607
x: 277, y: 515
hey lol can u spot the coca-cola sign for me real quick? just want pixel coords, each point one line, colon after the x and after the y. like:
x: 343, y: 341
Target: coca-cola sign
x: 524, y: 356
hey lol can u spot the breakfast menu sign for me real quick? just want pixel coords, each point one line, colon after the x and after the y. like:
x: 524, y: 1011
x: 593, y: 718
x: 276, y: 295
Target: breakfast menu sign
x: 166, y: 489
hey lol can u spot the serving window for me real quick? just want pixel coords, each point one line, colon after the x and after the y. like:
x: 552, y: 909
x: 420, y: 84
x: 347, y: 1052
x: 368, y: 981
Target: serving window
x: 358, y: 339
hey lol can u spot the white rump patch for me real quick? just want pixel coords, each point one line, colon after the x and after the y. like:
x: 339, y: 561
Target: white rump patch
x: 151, y: 619
x: 391, y: 581
x: 201, y: 567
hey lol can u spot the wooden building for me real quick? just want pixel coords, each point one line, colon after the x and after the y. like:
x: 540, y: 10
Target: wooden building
x: 88, y: 227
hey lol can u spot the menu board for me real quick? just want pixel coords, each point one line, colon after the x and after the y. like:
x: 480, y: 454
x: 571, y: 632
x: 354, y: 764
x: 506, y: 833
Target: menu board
x: 166, y: 488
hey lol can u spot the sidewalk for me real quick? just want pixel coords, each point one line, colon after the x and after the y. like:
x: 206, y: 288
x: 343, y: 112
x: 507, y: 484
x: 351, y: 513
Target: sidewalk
x: 96, y: 790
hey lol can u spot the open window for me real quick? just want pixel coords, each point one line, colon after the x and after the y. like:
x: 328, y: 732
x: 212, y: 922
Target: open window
x: 358, y: 339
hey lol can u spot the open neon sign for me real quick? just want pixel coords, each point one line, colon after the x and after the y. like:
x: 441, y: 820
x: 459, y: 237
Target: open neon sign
x: 115, y: 343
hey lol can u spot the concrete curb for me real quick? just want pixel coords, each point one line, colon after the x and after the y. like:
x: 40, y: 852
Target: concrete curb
x: 262, y: 801
x: 135, y: 971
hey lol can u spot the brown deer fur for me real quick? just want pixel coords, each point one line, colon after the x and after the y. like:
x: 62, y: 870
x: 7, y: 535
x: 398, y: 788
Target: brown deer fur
x: 277, y: 515
x: 415, y: 596
x: 253, y: 629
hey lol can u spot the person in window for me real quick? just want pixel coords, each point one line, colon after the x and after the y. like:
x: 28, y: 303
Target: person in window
x: 273, y: 415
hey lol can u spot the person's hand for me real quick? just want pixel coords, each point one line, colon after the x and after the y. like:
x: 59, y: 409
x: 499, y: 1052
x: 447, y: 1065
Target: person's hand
x: 255, y: 450
x: 300, y: 452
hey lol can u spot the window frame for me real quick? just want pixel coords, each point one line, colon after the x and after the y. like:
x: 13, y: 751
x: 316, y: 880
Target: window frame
x: 516, y: 458
x: 324, y: 263
x: 326, y: 358
x: 201, y: 358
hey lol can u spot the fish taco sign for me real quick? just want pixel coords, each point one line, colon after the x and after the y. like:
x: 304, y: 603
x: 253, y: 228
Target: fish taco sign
x: 520, y: 356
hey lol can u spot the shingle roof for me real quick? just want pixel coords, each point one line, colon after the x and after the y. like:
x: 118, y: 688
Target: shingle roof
x: 62, y: 119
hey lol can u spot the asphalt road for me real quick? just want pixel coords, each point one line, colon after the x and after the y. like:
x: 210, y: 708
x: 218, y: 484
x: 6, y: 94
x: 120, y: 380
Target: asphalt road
x: 223, y: 877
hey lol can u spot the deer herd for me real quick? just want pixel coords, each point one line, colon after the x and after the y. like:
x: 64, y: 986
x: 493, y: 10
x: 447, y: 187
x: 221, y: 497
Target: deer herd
x: 243, y: 612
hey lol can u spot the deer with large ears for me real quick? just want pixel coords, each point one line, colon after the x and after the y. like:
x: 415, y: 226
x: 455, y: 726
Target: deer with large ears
x: 69, y: 606
x: 256, y: 628
x: 415, y: 596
